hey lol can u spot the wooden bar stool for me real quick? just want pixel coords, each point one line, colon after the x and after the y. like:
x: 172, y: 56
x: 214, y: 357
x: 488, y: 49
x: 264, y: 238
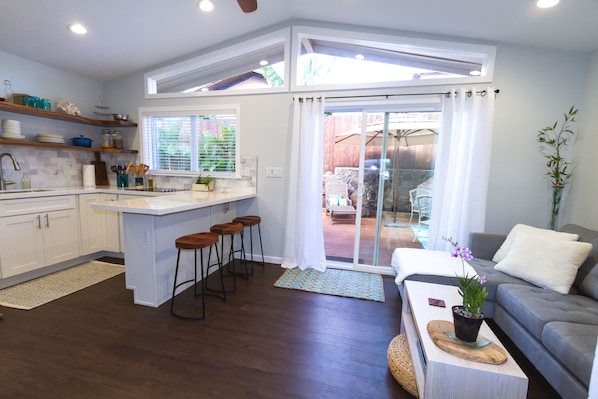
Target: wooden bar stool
x: 195, y: 242
x: 231, y: 229
x: 250, y: 221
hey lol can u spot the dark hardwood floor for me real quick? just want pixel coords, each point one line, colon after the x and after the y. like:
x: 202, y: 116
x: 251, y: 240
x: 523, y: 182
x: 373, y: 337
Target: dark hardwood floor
x: 264, y: 342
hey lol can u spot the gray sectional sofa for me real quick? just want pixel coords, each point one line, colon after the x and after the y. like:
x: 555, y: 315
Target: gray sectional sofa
x: 556, y: 332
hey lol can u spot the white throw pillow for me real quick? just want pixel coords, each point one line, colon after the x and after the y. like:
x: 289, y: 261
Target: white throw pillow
x: 545, y: 262
x: 506, y: 245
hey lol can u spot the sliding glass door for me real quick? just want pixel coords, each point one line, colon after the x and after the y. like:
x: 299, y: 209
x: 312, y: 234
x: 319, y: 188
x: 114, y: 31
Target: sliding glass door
x: 363, y: 153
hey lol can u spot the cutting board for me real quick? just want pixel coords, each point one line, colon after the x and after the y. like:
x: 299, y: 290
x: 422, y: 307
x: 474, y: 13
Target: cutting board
x: 491, y: 354
x: 101, y: 171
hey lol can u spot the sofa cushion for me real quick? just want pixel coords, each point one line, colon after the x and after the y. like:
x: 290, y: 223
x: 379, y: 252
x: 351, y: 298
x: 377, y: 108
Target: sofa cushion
x: 586, y: 281
x: 493, y: 276
x: 546, y: 262
x: 506, y: 245
x: 574, y: 345
x: 534, y: 307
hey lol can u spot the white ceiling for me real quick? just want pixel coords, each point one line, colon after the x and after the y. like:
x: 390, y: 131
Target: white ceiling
x: 131, y: 35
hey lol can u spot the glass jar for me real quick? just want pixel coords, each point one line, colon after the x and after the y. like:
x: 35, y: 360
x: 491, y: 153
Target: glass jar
x: 106, y: 138
x: 8, y: 96
x: 117, y: 139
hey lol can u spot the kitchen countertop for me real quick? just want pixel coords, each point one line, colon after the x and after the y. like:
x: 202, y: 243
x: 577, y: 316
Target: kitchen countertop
x: 176, y: 202
x: 76, y: 190
x: 154, y: 202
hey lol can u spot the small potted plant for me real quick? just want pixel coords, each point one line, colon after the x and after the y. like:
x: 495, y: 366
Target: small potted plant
x: 203, y: 183
x: 468, y: 317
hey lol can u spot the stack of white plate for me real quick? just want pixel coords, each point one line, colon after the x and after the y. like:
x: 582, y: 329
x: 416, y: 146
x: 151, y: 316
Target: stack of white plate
x: 11, y: 130
x: 50, y: 138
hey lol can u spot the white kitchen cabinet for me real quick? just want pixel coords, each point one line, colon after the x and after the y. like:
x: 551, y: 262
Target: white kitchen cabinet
x: 33, y: 240
x: 99, y: 229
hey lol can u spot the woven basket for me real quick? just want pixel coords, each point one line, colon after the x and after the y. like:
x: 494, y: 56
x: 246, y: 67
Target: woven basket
x: 399, y: 362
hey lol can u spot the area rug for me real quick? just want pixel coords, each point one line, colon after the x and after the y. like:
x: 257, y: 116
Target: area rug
x: 422, y: 236
x: 34, y: 293
x: 345, y: 283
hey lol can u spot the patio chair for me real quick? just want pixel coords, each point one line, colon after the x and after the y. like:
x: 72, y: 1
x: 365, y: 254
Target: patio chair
x: 413, y: 194
x: 338, y: 201
x: 424, y: 205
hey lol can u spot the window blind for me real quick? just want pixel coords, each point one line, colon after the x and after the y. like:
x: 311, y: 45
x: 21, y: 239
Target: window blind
x: 181, y: 141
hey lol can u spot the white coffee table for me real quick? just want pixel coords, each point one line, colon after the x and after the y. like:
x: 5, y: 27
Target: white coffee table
x: 445, y: 375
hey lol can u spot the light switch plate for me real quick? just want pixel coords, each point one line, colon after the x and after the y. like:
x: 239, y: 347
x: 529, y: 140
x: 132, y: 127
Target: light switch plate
x: 272, y: 171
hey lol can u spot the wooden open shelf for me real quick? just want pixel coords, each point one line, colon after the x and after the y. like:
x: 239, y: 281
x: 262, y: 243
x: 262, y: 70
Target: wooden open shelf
x: 20, y: 109
x: 64, y: 146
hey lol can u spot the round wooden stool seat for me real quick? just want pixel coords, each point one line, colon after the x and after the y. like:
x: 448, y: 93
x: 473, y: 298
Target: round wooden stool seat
x: 227, y: 229
x: 196, y: 241
x: 248, y: 220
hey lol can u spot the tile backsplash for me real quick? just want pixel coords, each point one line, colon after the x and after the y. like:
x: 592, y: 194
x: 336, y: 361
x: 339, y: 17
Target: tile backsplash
x: 51, y: 168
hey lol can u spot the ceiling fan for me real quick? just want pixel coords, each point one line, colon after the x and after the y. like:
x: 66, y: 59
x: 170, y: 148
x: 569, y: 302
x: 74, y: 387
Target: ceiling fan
x: 248, y: 5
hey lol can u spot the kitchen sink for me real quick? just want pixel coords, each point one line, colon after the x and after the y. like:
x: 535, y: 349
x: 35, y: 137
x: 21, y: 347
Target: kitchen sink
x: 35, y: 190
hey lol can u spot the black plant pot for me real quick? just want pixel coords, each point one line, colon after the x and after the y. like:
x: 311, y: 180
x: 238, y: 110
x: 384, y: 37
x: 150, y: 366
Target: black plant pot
x: 466, y: 328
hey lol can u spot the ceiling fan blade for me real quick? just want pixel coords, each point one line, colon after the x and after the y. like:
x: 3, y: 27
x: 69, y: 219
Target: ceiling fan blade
x: 248, y: 5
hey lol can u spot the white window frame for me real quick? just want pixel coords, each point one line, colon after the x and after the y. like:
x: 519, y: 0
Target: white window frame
x: 292, y: 38
x: 192, y: 111
x: 301, y: 33
x: 213, y: 58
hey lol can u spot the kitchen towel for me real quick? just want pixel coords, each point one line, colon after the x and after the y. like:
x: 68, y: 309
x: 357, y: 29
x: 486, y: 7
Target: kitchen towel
x: 89, y: 176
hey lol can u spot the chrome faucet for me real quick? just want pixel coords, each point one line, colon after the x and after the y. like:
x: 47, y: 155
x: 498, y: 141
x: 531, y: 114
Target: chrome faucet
x: 15, y: 164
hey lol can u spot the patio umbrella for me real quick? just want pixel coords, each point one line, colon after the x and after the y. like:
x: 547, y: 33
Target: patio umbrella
x: 409, y: 131
x: 405, y: 130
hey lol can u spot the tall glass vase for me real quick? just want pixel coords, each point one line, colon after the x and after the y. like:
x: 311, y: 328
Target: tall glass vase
x: 557, y: 194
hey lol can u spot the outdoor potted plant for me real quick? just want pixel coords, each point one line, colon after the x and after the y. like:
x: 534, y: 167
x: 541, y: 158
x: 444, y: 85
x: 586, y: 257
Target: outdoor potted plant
x: 468, y: 317
x: 203, y: 183
x: 554, y: 144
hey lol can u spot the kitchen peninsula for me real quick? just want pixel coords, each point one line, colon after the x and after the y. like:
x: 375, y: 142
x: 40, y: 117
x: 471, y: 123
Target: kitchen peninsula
x: 150, y: 227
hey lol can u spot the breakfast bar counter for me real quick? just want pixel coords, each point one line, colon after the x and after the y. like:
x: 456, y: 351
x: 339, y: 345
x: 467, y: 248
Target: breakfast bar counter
x: 150, y: 228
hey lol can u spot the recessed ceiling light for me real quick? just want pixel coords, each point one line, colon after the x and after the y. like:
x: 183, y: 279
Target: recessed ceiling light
x: 547, y: 3
x: 475, y: 73
x: 77, y: 28
x: 359, y: 56
x: 205, y: 5
x: 264, y: 62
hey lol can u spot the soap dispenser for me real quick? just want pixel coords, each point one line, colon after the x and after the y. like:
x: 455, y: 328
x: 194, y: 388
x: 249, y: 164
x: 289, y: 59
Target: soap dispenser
x: 25, y: 182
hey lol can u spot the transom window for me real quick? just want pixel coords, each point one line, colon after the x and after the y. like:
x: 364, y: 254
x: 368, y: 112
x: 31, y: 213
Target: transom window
x: 326, y: 58
x: 184, y: 141
x: 308, y: 58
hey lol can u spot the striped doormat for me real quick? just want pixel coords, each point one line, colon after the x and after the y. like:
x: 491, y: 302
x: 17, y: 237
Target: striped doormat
x: 346, y: 283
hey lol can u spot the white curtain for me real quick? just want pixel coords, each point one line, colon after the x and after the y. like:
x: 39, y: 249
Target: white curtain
x: 304, y: 236
x: 462, y: 166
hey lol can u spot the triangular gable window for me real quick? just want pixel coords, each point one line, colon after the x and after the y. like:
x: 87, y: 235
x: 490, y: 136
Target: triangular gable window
x: 323, y: 59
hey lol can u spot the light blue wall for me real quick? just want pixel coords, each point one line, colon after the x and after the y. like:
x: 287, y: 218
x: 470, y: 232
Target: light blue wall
x: 584, y: 191
x: 536, y: 87
x: 35, y: 79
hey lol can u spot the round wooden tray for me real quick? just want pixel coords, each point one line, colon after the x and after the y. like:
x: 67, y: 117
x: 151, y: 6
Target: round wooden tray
x: 491, y: 354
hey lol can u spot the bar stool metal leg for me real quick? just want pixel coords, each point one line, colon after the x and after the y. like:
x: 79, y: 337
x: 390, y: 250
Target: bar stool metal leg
x: 175, y: 286
x: 250, y: 221
x: 231, y: 230
x: 194, y: 242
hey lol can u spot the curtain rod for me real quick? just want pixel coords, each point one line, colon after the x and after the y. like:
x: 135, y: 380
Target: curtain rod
x: 445, y: 93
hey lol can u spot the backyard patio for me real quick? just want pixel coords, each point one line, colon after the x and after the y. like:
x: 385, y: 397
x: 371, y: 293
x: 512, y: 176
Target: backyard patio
x: 339, y: 237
